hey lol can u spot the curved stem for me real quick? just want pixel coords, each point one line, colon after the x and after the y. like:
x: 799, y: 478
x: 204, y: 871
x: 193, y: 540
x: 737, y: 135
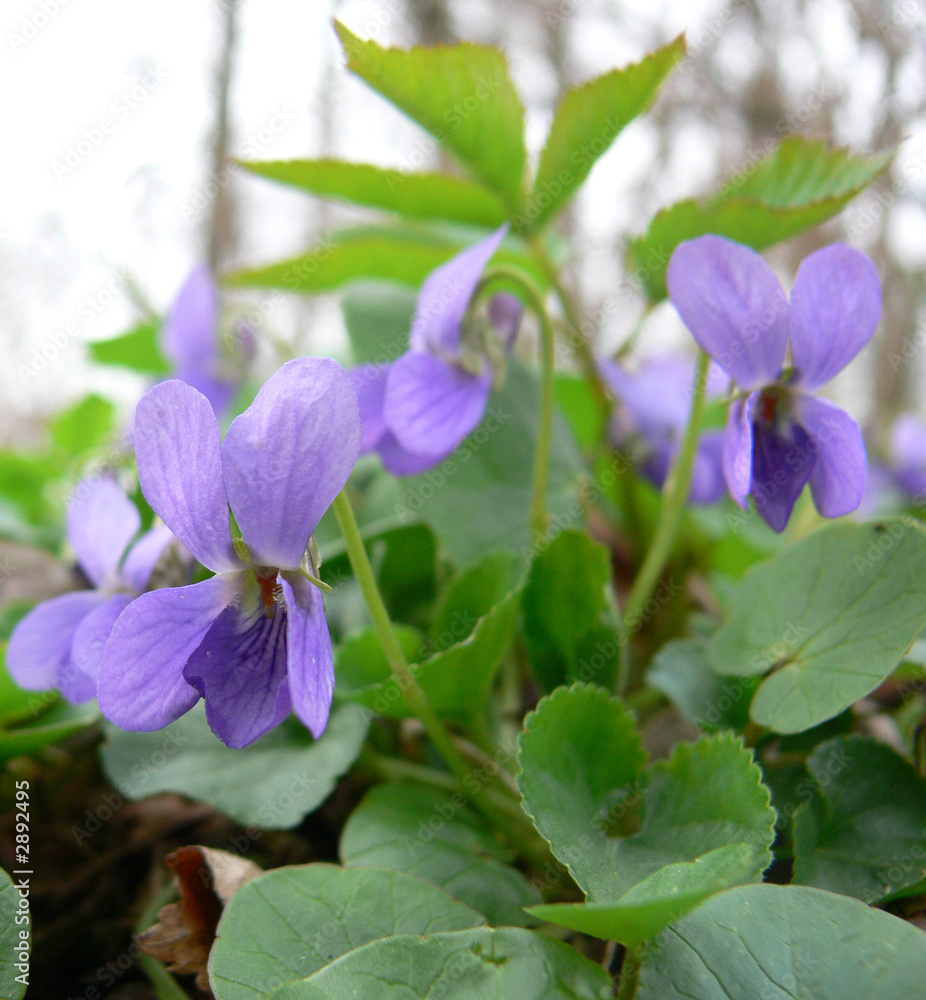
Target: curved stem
x: 674, y: 497
x: 578, y: 342
x: 534, y: 300
x: 411, y: 689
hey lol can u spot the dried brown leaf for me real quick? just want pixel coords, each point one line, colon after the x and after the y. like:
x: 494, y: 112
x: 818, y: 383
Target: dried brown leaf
x: 184, y: 934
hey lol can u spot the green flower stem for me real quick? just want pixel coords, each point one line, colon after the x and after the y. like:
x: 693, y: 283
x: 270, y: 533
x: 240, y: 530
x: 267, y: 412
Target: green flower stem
x: 395, y: 769
x: 674, y: 497
x: 630, y: 973
x: 520, y: 833
x: 409, y: 686
x: 534, y: 297
x: 578, y: 342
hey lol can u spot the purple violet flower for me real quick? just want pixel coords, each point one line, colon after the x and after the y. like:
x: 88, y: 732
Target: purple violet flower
x: 650, y: 418
x: 778, y: 435
x: 59, y: 643
x: 190, y: 339
x: 908, y: 453
x: 252, y: 640
x: 416, y: 410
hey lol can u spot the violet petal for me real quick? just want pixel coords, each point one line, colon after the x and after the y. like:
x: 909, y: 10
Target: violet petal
x: 835, y: 307
x: 445, y: 295
x: 240, y: 670
x: 101, y: 521
x: 432, y: 405
x: 40, y: 646
x: 289, y: 455
x: 177, y: 445
x: 734, y: 306
x: 311, y: 667
x: 141, y: 685
x: 837, y: 481
x: 781, y: 465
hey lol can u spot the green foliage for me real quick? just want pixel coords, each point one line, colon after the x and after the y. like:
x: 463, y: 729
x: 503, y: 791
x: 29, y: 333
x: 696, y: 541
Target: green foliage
x: 378, y: 316
x: 799, y: 184
x: 564, y: 599
x: 465, y: 965
x: 139, y: 349
x: 470, y: 639
x: 10, y: 927
x: 784, y: 943
x: 650, y: 905
x: 46, y: 727
x: 462, y: 94
x: 273, y: 784
x: 85, y: 426
x: 681, y: 671
x: 838, y: 610
x: 290, y: 922
x: 586, y: 122
x: 399, y: 254
x: 583, y: 779
x: 436, y: 835
x: 414, y: 196
x: 864, y: 834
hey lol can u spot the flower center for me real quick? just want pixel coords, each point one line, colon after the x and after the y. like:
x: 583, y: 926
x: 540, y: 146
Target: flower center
x: 773, y: 406
x: 271, y: 592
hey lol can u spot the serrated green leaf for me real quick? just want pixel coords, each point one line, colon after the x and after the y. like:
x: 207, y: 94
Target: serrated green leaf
x: 290, y: 922
x: 582, y: 774
x: 831, y: 616
x: 437, y: 836
x: 139, y: 349
x: 650, y: 905
x: 801, y: 183
x: 587, y: 121
x: 463, y: 965
x: 402, y: 255
x: 784, y: 943
x: 681, y: 671
x: 274, y: 783
x: 14, y: 962
x: 462, y: 94
x: 564, y: 598
x: 412, y: 195
x: 865, y: 836
x: 378, y: 316
x: 477, y: 501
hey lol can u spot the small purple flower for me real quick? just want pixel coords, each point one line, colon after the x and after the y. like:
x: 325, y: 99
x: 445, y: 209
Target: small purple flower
x: 59, y: 644
x: 252, y: 640
x: 778, y: 435
x: 416, y: 410
x: 908, y: 454
x: 190, y: 339
x: 650, y: 420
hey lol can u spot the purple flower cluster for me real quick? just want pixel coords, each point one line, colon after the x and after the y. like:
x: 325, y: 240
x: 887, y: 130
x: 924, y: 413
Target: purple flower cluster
x: 252, y: 640
x: 779, y: 435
